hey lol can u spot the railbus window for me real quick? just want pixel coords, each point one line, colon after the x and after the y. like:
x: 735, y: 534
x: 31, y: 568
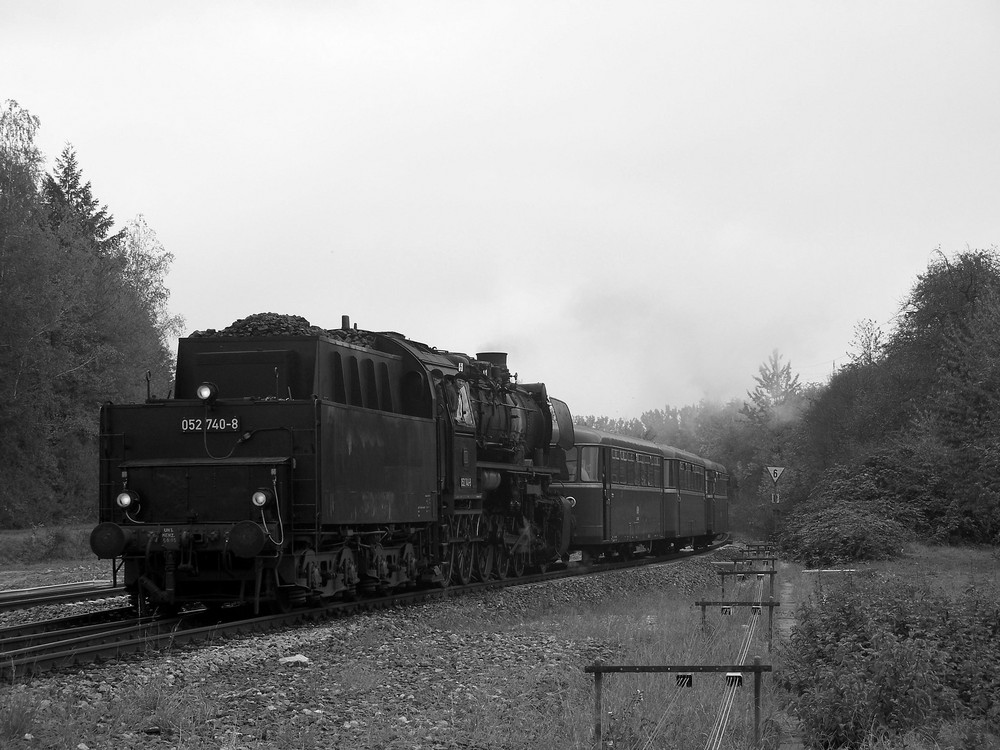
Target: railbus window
x: 629, y: 467
x: 671, y: 474
x: 590, y: 467
x: 692, y: 477
x: 722, y: 486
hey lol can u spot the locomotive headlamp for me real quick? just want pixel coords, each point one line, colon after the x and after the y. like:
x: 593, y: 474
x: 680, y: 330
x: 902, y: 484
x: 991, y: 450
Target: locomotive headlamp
x: 208, y: 392
x: 127, y: 499
x: 261, y: 497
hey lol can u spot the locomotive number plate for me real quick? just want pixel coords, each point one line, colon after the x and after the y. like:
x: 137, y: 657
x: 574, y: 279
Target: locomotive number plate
x: 211, y: 424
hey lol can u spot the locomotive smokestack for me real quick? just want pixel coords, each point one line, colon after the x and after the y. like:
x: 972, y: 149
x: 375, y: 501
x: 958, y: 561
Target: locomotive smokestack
x: 497, y: 359
x: 498, y: 364
x: 345, y: 322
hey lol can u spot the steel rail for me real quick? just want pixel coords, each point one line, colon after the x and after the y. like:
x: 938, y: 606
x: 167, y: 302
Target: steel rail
x: 48, y: 631
x: 59, y: 593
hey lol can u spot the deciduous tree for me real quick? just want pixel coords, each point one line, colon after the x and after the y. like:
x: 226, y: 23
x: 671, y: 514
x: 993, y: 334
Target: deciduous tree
x: 83, y: 315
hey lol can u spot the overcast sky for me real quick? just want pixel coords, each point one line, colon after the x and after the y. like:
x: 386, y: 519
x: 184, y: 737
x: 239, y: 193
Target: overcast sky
x: 639, y: 200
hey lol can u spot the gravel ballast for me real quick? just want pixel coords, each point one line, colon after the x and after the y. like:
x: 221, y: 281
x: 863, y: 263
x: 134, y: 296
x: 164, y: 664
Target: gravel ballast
x: 484, y: 670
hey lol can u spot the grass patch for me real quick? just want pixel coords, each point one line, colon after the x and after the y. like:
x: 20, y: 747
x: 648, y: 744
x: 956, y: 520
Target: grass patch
x: 41, y: 544
x: 133, y: 708
x: 659, y: 629
x: 17, y: 716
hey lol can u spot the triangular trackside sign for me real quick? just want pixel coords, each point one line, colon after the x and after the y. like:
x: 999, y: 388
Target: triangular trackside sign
x: 775, y: 472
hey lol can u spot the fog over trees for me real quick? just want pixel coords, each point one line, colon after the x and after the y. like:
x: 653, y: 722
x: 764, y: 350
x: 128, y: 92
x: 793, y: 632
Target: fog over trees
x: 904, y: 441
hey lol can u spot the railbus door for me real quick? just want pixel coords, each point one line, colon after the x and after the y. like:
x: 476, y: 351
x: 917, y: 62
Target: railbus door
x: 709, y: 501
x: 608, y: 494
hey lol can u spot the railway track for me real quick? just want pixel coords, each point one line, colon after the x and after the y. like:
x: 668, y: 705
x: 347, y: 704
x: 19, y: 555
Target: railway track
x: 57, y: 644
x: 61, y: 593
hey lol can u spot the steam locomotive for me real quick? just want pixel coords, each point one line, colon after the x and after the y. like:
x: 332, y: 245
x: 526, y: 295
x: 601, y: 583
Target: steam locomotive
x: 296, y: 464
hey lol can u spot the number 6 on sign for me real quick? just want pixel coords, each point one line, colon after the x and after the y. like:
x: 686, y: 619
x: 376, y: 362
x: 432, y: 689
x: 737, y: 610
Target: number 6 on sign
x: 775, y: 472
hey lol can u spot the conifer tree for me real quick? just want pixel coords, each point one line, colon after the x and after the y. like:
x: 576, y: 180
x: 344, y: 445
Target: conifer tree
x: 776, y: 393
x: 70, y: 200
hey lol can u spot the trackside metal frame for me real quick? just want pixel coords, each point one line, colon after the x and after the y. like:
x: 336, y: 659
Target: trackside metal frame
x: 770, y: 573
x: 599, y: 670
x: 770, y: 604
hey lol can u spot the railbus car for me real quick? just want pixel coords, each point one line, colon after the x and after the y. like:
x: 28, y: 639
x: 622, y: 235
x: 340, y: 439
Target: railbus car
x: 629, y: 493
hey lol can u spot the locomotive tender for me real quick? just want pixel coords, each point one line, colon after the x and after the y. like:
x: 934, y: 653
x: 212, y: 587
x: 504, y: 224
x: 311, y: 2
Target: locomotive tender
x: 301, y: 464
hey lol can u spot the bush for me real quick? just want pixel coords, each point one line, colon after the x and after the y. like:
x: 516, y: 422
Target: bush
x: 840, y: 533
x: 849, y: 516
x: 879, y: 656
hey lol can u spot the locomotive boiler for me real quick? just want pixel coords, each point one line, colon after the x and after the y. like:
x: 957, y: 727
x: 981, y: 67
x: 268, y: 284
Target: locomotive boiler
x: 294, y: 463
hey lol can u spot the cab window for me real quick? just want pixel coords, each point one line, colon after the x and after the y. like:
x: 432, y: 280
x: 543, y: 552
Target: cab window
x: 463, y: 407
x: 570, y: 474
